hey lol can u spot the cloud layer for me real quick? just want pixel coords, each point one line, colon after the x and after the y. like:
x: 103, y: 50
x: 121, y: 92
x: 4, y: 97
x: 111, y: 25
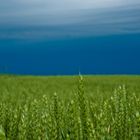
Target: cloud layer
x: 68, y: 18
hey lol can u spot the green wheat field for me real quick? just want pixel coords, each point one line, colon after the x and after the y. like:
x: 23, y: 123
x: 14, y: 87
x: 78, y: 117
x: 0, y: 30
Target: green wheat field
x: 69, y: 107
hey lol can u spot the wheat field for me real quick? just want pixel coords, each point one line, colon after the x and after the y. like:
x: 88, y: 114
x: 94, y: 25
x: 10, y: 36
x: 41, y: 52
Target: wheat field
x: 69, y: 107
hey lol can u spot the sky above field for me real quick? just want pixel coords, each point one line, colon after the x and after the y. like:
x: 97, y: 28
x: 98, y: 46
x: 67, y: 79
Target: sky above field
x: 67, y: 36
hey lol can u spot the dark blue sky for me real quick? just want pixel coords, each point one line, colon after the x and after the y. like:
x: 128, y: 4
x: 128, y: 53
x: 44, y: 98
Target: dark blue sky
x: 52, y: 38
x: 118, y: 54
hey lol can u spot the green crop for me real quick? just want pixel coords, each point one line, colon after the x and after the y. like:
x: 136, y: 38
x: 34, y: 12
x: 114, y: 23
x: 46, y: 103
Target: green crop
x: 70, y: 108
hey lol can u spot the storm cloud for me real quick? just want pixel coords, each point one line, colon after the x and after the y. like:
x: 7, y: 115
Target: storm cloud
x: 68, y: 18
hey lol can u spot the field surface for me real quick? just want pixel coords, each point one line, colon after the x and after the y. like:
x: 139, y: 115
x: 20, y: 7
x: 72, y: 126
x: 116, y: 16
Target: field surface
x: 69, y: 107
